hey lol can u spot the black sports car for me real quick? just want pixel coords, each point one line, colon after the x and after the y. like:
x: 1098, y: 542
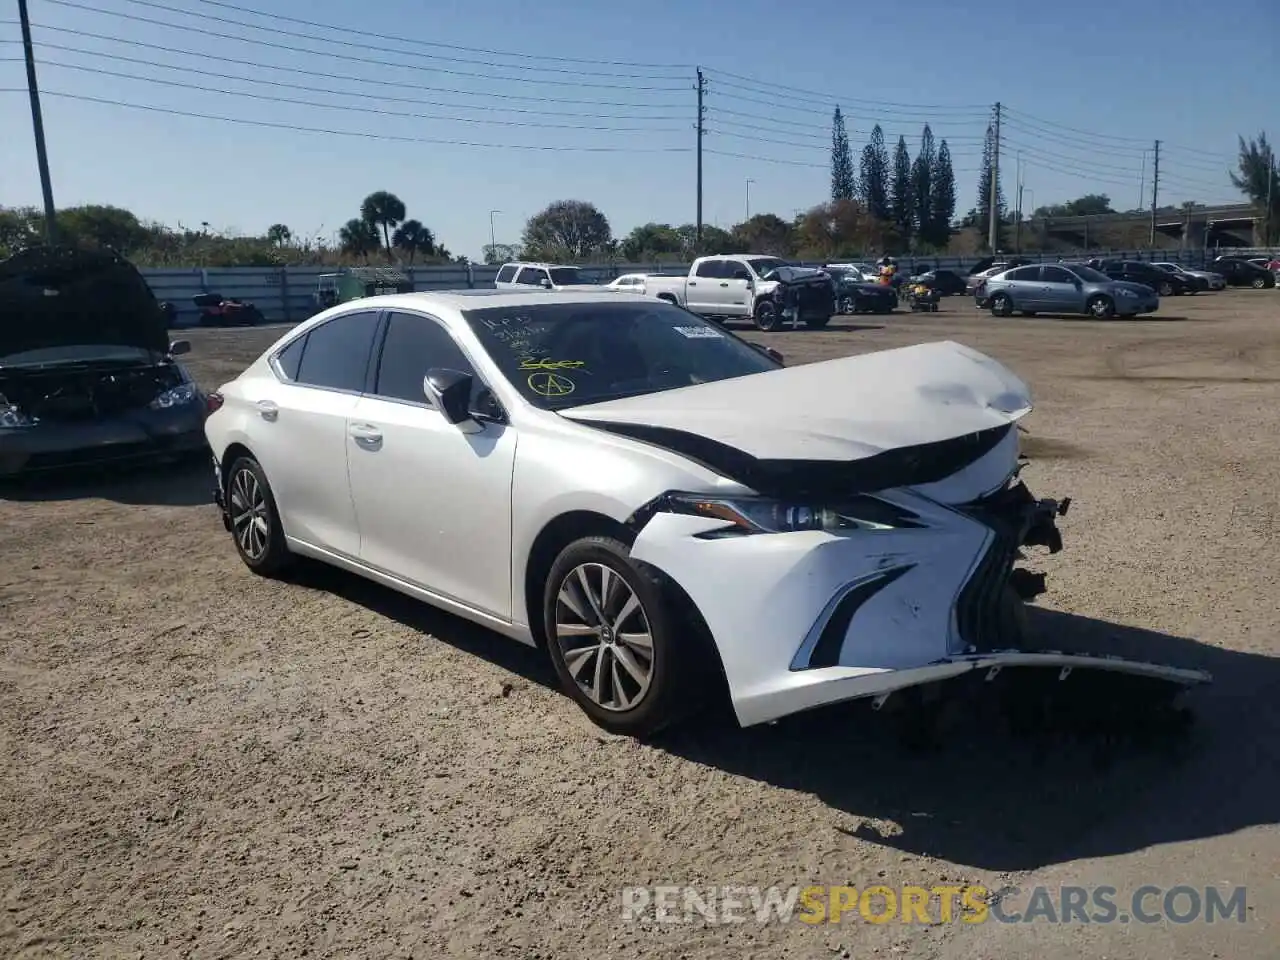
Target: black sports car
x: 87, y: 372
x: 854, y: 295
x: 946, y: 282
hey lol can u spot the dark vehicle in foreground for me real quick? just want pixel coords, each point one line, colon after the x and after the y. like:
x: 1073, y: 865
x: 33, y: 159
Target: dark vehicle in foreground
x: 219, y: 311
x: 947, y: 283
x: 1163, y: 282
x: 1241, y: 273
x: 87, y: 373
x: 1062, y: 288
x: 855, y: 295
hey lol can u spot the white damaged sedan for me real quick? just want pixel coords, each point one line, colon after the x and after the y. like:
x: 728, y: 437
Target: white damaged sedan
x: 661, y: 505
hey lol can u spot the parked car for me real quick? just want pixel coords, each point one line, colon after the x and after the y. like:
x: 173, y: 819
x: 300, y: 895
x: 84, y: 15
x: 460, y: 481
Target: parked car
x: 1164, y: 283
x: 989, y: 267
x: 1064, y: 288
x: 1267, y: 263
x: 1212, y: 281
x: 549, y: 276
x: 1198, y: 284
x: 854, y: 295
x: 760, y: 289
x: 655, y: 502
x: 947, y: 282
x: 87, y: 372
x: 867, y: 272
x: 1242, y: 273
x: 627, y: 283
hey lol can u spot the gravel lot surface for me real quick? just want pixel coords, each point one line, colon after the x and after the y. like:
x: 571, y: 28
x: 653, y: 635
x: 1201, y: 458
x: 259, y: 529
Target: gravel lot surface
x: 198, y: 762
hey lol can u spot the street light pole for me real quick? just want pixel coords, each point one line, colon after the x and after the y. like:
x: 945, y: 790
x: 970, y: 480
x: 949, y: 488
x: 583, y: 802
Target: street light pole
x: 492, y: 243
x: 749, y: 183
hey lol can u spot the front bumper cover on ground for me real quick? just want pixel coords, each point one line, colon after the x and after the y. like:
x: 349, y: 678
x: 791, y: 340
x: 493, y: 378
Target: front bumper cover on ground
x: 55, y: 446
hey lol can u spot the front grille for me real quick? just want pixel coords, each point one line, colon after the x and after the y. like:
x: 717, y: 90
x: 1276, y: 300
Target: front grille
x: 979, y: 608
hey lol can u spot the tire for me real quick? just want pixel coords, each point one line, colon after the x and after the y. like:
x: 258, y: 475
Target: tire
x: 1101, y: 308
x: 1001, y: 306
x: 817, y: 323
x: 767, y: 316
x: 1165, y: 289
x: 848, y: 306
x: 1259, y: 283
x: 247, y: 489
x: 638, y: 695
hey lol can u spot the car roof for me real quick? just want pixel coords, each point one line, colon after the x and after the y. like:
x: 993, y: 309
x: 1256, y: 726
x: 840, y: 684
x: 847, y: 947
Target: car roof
x: 481, y: 299
x: 545, y: 266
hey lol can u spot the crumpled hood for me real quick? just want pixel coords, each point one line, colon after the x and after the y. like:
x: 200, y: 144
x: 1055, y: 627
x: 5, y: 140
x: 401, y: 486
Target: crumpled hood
x: 907, y: 416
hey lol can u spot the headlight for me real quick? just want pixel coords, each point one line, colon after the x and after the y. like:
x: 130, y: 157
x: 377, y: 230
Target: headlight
x: 174, y: 397
x: 1125, y: 293
x: 748, y: 515
x: 11, y: 418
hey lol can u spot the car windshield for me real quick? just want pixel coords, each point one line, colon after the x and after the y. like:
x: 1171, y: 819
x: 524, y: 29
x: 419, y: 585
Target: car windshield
x: 567, y: 276
x: 762, y: 265
x: 1088, y: 274
x: 562, y: 355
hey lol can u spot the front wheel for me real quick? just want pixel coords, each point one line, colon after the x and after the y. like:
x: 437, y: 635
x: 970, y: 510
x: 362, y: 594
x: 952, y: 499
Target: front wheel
x: 767, y: 316
x: 1001, y: 306
x: 610, y: 634
x: 1101, y: 308
x: 254, y: 518
x: 1165, y: 290
x: 848, y: 306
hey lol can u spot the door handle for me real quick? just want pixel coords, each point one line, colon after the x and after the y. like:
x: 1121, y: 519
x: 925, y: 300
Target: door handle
x: 692, y: 283
x: 268, y: 410
x: 365, y: 435
x: 724, y: 284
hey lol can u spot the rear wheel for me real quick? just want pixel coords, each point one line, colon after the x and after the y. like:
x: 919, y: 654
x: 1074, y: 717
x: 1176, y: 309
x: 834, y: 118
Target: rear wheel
x: 611, y: 634
x: 255, y: 521
x: 1259, y: 283
x: 1001, y: 305
x: 1101, y: 308
x: 848, y: 305
x: 1165, y: 289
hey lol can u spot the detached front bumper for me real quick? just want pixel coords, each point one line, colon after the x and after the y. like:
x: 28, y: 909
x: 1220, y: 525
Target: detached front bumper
x: 802, y: 620
x: 142, y: 436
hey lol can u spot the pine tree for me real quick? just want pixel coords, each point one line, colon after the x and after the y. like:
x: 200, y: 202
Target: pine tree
x: 901, y: 190
x: 922, y: 172
x: 942, y: 198
x: 874, y: 180
x: 843, y: 182
x: 984, y: 192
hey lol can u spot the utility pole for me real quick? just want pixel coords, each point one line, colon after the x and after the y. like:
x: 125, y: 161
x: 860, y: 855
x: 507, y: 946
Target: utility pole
x: 1155, y: 190
x: 993, y: 214
x: 37, y: 126
x: 493, y: 244
x: 1017, y: 227
x: 749, y: 183
x: 1266, y: 213
x: 701, y: 128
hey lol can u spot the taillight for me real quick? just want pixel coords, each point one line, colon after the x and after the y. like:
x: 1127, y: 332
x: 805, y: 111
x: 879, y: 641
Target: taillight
x: 212, y: 402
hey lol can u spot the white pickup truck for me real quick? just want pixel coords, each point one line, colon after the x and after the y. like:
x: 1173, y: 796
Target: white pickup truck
x: 765, y: 290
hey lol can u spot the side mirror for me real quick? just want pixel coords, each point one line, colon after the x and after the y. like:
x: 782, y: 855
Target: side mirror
x: 179, y: 347
x: 450, y: 391
x: 545, y: 283
x: 487, y: 408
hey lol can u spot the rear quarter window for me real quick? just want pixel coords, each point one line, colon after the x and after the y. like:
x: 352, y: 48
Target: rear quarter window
x: 289, y: 359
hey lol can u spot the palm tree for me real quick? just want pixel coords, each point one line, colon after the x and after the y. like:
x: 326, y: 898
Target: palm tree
x: 412, y: 237
x: 385, y: 210
x: 359, y: 237
x: 278, y: 234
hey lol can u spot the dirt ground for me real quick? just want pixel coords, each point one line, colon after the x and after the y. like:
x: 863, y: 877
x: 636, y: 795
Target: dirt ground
x: 198, y: 762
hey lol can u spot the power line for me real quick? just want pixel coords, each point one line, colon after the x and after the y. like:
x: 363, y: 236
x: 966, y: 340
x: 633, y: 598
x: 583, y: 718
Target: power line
x: 347, y: 43
x: 330, y: 75
x: 826, y: 112
x: 1092, y: 149
x: 150, y: 108
x: 353, y: 108
x: 827, y: 97
x: 1029, y: 118
x: 443, y: 46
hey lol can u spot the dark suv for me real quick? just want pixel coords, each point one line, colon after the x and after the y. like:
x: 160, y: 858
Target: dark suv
x: 1239, y: 272
x: 1136, y: 271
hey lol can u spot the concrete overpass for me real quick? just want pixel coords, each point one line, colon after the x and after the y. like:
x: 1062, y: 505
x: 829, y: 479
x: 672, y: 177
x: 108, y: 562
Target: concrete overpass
x: 1236, y: 224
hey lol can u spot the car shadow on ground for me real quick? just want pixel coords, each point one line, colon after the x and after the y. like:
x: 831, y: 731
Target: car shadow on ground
x: 1002, y: 783
x: 183, y: 483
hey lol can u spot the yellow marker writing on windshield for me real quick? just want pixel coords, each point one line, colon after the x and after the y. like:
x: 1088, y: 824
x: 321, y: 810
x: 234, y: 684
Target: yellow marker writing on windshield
x: 552, y: 364
x: 550, y: 384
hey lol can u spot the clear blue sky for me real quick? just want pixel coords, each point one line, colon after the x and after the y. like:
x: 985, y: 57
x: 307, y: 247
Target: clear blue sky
x: 1089, y: 85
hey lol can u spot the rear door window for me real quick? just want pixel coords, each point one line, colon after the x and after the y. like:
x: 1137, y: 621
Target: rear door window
x: 506, y: 274
x: 337, y: 352
x: 711, y: 269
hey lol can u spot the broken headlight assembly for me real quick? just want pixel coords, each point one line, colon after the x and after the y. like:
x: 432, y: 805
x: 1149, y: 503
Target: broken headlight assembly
x: 178, y: 396
x: 11, y: 418
x: 751, y: 515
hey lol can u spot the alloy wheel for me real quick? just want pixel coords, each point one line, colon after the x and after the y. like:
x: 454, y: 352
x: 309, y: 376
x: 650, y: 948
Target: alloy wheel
x: 250, y: 519
x: 604, y: 636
